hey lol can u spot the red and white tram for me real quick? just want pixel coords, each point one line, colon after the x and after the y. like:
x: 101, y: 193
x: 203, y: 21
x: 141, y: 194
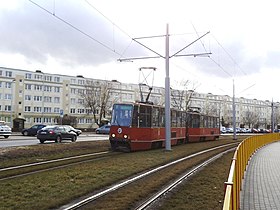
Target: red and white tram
x: 141, y: 126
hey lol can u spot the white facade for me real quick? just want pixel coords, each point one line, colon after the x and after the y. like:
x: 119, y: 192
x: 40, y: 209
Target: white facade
x: 40, y: 97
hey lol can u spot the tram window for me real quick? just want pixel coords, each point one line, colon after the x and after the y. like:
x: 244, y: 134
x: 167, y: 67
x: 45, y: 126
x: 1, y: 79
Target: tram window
x: 184, y: 119
x: 206, y: 120
x: 203, y: 121
x: 161, y: 117
x: 189, y: 120
x: 155, y: 117
x: 210, y: 122
x: 195, y: 121
x: 173, y: 118
x: 179, y: 119
x: 145, y: 116
x: 215, y: 122
x: 121, y: 115
x: 135, y: 117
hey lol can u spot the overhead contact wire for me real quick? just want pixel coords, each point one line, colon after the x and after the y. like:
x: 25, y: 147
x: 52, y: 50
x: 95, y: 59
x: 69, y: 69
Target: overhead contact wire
x: 74, y: 27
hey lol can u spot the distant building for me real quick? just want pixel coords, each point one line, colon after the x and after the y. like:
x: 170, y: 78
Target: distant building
x: 29, y: 97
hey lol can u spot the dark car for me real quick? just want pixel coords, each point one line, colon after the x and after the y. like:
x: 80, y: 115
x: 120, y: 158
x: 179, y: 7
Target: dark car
x: 77, y: 131
x: 105, y: 129
x: 32, y: 131
x: 56, y: 133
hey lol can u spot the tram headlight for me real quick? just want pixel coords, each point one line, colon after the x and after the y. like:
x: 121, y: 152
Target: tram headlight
x: 113, y: 135
x: 125, y: 136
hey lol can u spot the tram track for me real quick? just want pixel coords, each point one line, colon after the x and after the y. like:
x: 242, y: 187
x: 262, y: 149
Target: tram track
x: 42, y: 166
x: 91, y: 201
x: 146, y: 204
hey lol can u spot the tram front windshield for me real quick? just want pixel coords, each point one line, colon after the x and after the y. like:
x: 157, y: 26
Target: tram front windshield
x: 122, y: 114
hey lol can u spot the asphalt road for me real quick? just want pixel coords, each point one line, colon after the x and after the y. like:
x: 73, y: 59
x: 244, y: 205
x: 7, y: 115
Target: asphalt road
x: 18, y: 140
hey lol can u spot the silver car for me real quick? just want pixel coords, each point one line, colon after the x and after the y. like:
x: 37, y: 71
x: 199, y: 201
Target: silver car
x: 5, y: 130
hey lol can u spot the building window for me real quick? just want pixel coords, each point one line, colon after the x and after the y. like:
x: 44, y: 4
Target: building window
x: 47, y: 120
x: 57, y: 79
x: 80, y: 101
x: 28, y: 86
x: 88, y: 121
x: 37, y: 109
x: 55, y: 120
x: 81, y: 120
x: 37, y: 120
x: 27, y: 108
x: 28, y: 76
x: 81, y: 111
x: 72, y: 111
x: 47, y: 109
x: 48, y: 78
x: 81, y: 82
x: 81, y: 91
x: 8, y: 108
x: 8, y: 85
x: 47, y: 88
x: 38, y: 76
x: 73, y: 101
x: 56, y: 99
x: 56, y: 110
x: 38, y: 87
x: 27, y: 97
x: 8, y: 96
x: 73, y: 90
x: 57, y: 89
x: 37, y: 98
x: 73, y: 81
x: 47, y: 99
x: 9, y: 74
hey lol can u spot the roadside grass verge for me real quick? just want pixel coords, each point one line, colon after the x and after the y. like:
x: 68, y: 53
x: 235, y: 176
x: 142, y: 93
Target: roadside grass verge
x: 14, y: 156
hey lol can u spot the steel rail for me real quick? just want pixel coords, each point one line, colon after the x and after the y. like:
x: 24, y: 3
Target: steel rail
x: 51, y: 161
x: 178, y: 181
x: 80, y: 203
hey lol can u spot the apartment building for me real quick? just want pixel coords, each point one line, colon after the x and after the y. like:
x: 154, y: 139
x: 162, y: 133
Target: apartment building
x: 29, y: 97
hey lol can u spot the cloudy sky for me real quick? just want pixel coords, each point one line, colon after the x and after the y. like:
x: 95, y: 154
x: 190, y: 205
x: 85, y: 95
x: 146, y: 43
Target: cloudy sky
x: 88, y: 37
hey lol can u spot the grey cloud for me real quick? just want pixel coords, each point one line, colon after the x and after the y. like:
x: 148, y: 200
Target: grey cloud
x: 36, y: 34
x: 227, y: 61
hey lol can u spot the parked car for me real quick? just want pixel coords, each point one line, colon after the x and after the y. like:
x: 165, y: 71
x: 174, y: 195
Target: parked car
x: 77, y: 131
x: 229, y: 130
x: 32, y: 131
x: 56, y: 133
x: 105, y: 129
x: 223, y: 129
x: 5, y: 130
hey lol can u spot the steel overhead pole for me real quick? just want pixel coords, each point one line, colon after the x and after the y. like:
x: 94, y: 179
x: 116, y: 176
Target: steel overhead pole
x: 234, y: 113
x: 167, y: 95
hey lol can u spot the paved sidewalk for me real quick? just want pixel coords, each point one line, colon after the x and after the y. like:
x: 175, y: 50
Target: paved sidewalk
x: 261, y: 187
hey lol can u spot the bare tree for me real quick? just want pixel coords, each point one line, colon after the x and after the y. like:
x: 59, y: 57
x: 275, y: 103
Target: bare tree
x: 181, y: 99
x: 96, y: 95
x: 251, y: 119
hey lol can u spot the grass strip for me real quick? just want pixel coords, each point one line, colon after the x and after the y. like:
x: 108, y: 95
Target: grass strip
x: 55, y: 188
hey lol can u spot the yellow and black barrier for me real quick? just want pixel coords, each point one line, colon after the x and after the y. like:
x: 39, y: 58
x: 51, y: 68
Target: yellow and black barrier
x: 240, y: 159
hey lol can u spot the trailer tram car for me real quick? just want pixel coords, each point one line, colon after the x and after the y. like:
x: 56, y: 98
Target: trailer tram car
x: 141, y: 126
